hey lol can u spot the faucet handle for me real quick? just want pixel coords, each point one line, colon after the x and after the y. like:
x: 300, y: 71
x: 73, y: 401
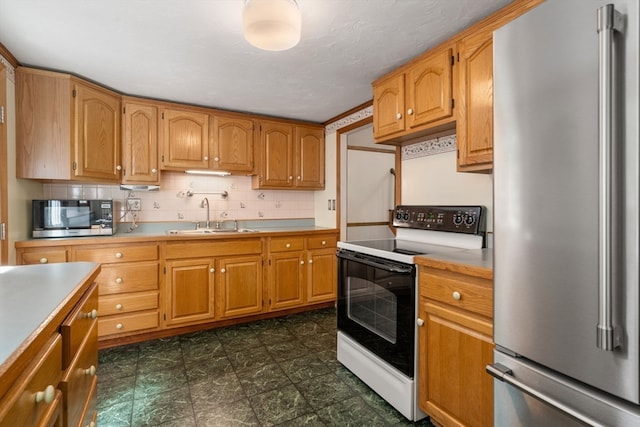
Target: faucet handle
x: 197, y: 224
x: 235, y: 224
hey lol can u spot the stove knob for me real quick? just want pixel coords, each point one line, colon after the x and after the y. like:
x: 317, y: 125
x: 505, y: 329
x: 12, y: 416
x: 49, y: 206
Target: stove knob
x: 405, y: 217
x: 458, y: 219
x: 398, y: 215
x: 470, y: 219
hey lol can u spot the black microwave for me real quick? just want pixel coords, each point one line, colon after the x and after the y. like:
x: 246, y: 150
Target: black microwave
x: 71, y: 218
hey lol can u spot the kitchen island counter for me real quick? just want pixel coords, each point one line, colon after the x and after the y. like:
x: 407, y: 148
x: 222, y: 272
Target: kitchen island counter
x: 34, y: 300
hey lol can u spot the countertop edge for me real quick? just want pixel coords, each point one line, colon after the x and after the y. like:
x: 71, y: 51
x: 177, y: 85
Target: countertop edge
x: 477, y: 263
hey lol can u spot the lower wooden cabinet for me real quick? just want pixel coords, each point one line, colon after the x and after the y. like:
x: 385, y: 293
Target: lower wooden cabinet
x: 189, y: 291
x: 455, y: 345
x: 239, y: 286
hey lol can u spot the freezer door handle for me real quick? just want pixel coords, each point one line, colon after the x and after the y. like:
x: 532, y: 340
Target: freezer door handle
x: 608, y: 21
x: 504, y: 374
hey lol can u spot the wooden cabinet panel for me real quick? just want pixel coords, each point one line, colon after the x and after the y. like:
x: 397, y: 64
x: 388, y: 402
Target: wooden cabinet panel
x: 276, y: 156
x: 128, y: 277
x: 322, y: 241
x: 285, y: 280
x: 283, y: 244
x: 185, y: 139
x: 429, y: 89
x: 388, y: 106
x: 140, y: 144
x: 41, y: 256
x: 309, y: 157
x: 322, y: 268
x: 468, y: 293
x: 117, y: 253
x: 192, y: 249
x: 127, y: 303
x: 79, y: 378
x: 127, y: 323
x: 239, y: 286
x: 20, y: 409
x: 76, y: 327
x: 189, y: 294
x: 97, y: 130
x: 233, y: 144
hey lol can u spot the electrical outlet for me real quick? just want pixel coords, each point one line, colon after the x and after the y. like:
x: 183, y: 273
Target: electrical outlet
x: 134, y: 204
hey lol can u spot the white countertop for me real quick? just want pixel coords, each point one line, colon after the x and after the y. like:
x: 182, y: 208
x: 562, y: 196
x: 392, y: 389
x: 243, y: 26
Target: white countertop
x: 30, y: 294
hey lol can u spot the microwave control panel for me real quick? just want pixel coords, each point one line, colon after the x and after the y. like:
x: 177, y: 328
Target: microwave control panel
x: 458, y: 219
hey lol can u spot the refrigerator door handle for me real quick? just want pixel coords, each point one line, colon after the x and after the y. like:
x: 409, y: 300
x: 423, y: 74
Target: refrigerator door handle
x: 504, y: 374
x: 608, y: 21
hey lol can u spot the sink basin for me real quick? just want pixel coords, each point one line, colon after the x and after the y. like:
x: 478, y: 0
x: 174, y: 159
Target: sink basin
x: 212, y: 231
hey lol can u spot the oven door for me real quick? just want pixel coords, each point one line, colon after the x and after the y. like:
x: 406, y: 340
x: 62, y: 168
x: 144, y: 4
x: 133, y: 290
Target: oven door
x: 376, y: 306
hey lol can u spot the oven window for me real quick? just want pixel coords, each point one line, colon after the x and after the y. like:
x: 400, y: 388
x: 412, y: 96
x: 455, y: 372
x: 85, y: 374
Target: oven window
x: 372, y: 307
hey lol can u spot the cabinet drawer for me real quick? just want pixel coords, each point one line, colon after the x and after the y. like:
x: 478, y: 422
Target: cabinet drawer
x: 219, y: 247
x: 117, y: 253
x: 79, y: 377
x: 77, y: 325
x: 282, y: 244
x: 466, y: 292
x: 44, y: 257
x: 19, y: 407
x: 90, y: 413
x: 121, y: 324
x: 135, y: 277
x: 322, y: 242
x: 126, y: 303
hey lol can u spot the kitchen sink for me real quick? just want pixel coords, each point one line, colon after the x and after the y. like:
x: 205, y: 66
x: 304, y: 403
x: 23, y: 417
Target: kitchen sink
x: 212, y: 231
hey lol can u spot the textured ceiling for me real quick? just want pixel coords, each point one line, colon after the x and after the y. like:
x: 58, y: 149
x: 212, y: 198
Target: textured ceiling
x: 193, y: 51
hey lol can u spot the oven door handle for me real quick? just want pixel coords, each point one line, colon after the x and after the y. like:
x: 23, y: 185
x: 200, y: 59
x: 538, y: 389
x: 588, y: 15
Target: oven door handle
x: 372, y: 262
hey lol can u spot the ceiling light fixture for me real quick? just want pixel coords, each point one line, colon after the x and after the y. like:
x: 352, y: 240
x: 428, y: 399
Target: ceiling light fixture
x: 271, y: 24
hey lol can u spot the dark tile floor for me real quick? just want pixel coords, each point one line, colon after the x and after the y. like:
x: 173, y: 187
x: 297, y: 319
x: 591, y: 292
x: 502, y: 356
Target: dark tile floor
x: 272, y: 372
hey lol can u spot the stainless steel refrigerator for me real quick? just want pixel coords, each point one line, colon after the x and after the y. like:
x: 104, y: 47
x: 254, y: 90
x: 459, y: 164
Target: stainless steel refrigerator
x: 566, y: 206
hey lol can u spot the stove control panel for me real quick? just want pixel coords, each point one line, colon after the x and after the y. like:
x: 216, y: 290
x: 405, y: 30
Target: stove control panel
x: 457, y: 219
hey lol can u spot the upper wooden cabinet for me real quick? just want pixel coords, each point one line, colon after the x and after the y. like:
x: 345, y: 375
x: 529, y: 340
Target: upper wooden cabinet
x: 415, y: 99
x: 233, y: 144
x: 140, y: 143
x: 184, y: 136
x: 66, y: 128
x: 290, y: 157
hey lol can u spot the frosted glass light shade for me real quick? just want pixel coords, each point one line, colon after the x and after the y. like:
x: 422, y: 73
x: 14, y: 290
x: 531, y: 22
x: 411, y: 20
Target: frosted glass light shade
x: 271, y: 24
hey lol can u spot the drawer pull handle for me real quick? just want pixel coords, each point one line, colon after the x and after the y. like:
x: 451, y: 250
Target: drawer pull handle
x: 324, y: 242
x: 118, y: 280
x: 419, y: 321
x: 119, y: 326
x: 47, y: 395
x: 91, y: 424
x: 118, y: 306
x: 43, y: 260
x: 457, y: 296
x: 91, y: 371
x: 92, y: 314
x: 288, y: 245
x: 118, y: 254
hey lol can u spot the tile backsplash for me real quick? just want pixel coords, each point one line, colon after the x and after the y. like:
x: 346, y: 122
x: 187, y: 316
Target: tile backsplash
x: 171, y: 204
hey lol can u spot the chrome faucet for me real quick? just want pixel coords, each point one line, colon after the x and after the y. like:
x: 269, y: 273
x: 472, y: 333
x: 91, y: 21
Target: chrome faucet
x: 205, y: 204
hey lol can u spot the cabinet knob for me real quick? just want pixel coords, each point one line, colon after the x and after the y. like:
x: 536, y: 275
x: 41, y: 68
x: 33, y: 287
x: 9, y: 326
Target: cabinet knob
x: 91, y: 424
x: 43, y: 260
x: 410, y: 111
x: 118, y: 168
x: 212, y: 270
x: 217, y: 159
x: 206, y: 157
x: 299, y: 178
x: 324, y: 242
x: 456, y: 295
x: 118, y: 254
x: 290, y: 178
x: 118, y: 306
x: 92, y: 314
x: 223, y: 270
x: 119, y: 326
x: 47, y: 395
x: 301, y: 262
x: 419, y: 321
x: 288, y: 245
x: 154, y: 170
x: 118, y: 280
x: 399, y: 116
x: 310, y: 261
x: 91, y: 371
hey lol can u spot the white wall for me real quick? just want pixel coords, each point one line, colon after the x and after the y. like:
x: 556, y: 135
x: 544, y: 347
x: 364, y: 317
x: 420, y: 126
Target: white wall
x: 433, y: 180
x: 325, y: 217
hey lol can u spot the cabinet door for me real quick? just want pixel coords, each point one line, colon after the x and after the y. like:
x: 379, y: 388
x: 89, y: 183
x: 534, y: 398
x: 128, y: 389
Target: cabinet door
x: 233, y: 141
x: 388, y: 106
x: 96, y: 133
x: 454, y: 387
x: 321, y: 275
x: 189, y: 291
x: 474, y: 126
x: 240, y: 286
x: 140, y: 144
x: 185, y: 139
x: 309, y: 157
x: 285, y: 280
x: 429, y: 89
x: 276, y: 155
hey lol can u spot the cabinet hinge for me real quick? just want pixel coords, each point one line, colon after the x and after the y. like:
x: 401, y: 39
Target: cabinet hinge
x: 453, y: 103
x: 3, y: 231
x: 73, y: 93
x: 124, y: 110
x: 163, y: 116
x: 453, y: 60
x: 1, y: 114
x: 458, y: 56
x: 164, y: 316
x: 75, y: 166
x: 164, y: 270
